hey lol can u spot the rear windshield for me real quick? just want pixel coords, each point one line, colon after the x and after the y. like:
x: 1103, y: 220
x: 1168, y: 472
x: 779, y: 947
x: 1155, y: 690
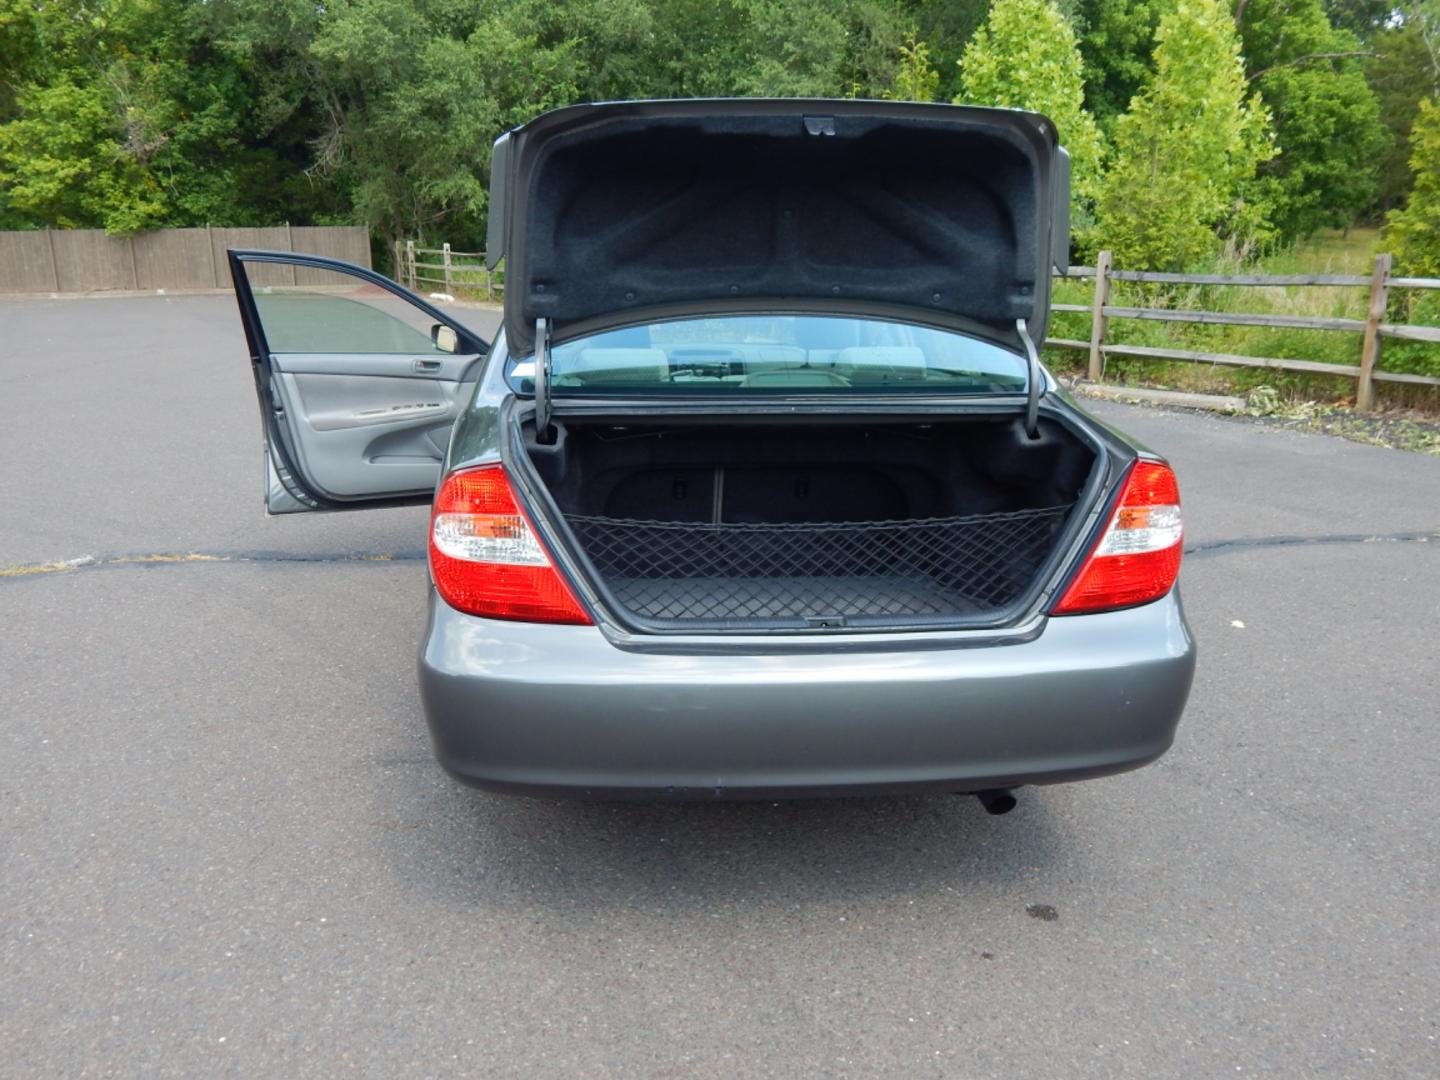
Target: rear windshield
x: 757, y: 354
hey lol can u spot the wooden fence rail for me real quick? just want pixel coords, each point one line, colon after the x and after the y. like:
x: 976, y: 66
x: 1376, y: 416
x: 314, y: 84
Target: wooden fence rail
x: 1372, y: 329
x: 465, y: 270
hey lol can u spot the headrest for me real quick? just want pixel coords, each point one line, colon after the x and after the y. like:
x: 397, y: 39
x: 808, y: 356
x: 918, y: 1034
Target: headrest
x: 621, y: 365
x: 882, y: 363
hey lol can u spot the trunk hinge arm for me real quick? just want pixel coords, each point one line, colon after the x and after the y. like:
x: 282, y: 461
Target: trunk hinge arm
x: 544, y: 432
x: 1032, y: 401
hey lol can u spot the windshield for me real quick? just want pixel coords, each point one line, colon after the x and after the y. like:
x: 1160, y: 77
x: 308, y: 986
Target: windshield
x: 790, y: 354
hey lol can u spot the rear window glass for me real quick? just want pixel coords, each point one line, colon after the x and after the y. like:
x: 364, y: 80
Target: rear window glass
x: 758, y: 354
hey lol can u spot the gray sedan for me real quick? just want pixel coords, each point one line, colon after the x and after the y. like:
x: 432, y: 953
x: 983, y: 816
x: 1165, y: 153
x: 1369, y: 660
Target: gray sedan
x: 761, y: 491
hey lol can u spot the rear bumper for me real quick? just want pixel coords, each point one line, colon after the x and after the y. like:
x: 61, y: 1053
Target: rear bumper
x: 560, y: 710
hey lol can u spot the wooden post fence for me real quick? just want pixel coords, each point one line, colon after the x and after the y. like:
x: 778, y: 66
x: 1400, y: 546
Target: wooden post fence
x: 445, y: 268
x: 1098, y: 318
x: 1372, y: 328
x: 1370, y: 344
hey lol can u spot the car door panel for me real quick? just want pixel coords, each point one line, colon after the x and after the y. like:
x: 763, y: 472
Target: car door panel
x: 357, y: 398
x: 358, y: 436
x: 337, y: 402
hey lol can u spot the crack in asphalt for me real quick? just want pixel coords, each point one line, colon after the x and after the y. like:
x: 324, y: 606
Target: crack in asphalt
x: 1220, y: 547
x: 177, y: 558
x: 1202, y: 549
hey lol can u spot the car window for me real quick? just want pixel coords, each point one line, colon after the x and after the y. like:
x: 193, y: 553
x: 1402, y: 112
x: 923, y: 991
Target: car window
x: 750, y: 354
x: 330, y: 312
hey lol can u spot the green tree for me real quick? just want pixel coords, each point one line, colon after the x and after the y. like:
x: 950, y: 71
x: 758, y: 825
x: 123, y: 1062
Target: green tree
x: 916, y: 79
x: 1326, y: 117
x: 1413, y: 233
x: 1363, y: 18
x: 1186, y: 153
x: 799, y: 48
x: 1025, y: 57
x: 407, y: 92
x: 127, y: 115
x: 810, y: 48
x: 945, y: 26
x: 697, y: 46
x: 1404, y: 70
x: 1117, y: 45
x: 402, y: 100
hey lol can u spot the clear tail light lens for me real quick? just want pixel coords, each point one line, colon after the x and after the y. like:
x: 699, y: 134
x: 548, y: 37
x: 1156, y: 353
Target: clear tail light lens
x: 1138, y: 557
x: 486, y: 559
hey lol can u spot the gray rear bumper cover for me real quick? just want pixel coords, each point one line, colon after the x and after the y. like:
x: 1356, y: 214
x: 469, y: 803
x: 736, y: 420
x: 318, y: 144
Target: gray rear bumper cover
x: 560, y: 710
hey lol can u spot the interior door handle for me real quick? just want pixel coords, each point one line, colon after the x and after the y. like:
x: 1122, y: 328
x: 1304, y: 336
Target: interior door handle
x: 427, y: 366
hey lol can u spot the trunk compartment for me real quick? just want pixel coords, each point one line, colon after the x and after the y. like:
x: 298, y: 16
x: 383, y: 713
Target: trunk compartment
x: 814, y: 525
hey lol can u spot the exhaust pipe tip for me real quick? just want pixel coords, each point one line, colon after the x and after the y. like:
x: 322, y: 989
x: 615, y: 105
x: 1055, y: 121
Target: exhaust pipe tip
x: 997, y: 801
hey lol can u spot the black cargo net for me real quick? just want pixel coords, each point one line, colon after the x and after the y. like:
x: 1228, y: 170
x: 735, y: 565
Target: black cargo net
x: 953, y: 566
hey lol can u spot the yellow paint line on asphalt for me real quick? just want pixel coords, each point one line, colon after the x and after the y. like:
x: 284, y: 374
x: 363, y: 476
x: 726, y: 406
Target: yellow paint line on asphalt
x: 37, y: 568
x: 30, y: 569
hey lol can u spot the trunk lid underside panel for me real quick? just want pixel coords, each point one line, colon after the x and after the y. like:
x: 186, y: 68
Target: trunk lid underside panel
x: 610, y: 215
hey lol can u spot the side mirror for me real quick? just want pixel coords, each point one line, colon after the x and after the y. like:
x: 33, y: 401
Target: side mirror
x: 444, y: 338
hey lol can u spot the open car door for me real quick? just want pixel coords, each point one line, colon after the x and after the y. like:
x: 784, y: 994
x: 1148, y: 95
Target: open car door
x: 360, y: 381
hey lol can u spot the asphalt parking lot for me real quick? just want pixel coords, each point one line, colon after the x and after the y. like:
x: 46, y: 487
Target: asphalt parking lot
x: 225, y: 848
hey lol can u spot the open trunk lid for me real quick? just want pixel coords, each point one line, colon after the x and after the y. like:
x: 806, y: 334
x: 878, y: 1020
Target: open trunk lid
x: 614, y: 214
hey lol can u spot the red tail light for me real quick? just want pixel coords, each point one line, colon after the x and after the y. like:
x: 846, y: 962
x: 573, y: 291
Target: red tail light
x: 485, y: 557
x: 1138, y: 557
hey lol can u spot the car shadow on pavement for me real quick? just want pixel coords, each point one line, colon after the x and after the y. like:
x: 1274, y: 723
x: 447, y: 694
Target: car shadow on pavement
x: 487, y: 849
